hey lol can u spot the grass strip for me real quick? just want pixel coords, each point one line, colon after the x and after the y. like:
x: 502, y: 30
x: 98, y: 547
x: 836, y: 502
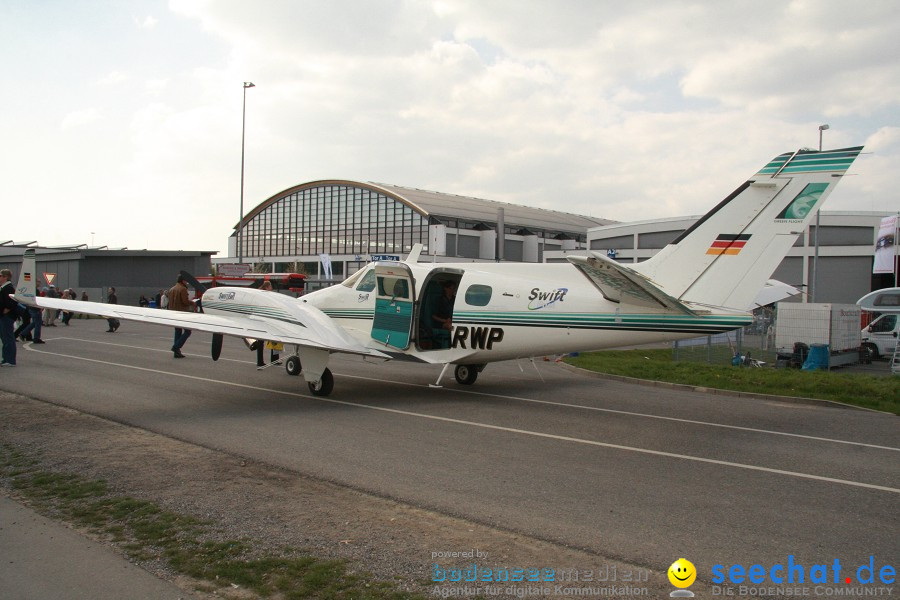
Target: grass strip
x: 189, y: 546
x: 867, y: 391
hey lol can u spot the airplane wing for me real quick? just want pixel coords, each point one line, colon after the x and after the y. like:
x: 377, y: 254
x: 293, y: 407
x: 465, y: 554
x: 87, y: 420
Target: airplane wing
x: 316, y: 330
x: 620, y: 284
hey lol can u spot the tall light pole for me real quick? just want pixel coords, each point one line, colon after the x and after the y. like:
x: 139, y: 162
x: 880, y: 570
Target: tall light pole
x: 815, y: 270
x: 240, y: 234
x: 821, y: 129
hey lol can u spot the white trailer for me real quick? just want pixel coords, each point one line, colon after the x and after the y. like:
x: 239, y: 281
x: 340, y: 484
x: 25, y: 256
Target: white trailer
x: 820, y: 323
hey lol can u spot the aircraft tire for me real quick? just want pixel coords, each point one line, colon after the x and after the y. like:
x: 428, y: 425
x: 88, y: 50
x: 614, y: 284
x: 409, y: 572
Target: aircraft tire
x: 466, y: 374
x: 325, y: 385
x: 292, y: 365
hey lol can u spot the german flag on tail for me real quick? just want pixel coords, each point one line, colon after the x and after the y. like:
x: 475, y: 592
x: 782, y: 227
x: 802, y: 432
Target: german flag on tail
x: 728, y: 243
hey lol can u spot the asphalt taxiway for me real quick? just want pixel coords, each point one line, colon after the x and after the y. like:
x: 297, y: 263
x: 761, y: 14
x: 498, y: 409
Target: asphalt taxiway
x: 635, y: 473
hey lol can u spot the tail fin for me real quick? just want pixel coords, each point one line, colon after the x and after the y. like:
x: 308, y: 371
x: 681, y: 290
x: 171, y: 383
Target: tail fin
x: 26, y: 290
x: 726, y: 257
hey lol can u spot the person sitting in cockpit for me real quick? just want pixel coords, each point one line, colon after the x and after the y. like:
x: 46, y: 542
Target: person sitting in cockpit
x: 442, y: 319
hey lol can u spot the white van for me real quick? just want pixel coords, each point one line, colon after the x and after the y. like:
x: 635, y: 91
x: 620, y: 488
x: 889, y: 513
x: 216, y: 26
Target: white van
x: 880, y: 337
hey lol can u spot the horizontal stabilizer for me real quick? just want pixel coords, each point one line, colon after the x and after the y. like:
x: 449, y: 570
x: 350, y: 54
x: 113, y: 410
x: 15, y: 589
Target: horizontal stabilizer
x: 620, y: 284
x: 774, y: 291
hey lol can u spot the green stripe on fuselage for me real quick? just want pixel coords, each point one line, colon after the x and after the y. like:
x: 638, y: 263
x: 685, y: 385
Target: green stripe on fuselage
x: 642, y: 322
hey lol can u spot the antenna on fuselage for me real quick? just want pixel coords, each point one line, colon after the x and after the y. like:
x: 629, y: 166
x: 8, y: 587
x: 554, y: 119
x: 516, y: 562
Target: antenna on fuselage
x: 413, y: 257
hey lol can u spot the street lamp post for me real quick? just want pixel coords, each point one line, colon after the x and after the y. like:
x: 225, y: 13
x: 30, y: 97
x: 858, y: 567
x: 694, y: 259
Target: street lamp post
x: 240, y: 249
x: 815, y: 270
x: 821, y: 129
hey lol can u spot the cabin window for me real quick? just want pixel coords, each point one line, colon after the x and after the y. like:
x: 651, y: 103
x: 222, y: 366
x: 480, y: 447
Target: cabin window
x: 395, y: 287
x: 478, y: 295
x: 367, y: 284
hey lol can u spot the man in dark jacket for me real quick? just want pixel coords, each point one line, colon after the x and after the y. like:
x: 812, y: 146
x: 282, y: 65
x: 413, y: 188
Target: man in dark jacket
x: 9, y: 309
x: 179, y: 299
x: 112, y: 299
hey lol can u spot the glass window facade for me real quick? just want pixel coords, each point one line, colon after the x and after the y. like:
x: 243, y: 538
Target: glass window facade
x: 334, y: 219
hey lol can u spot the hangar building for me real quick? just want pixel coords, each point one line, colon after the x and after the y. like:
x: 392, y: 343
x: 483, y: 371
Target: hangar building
x: 351, y: 221
x: 94, y: 270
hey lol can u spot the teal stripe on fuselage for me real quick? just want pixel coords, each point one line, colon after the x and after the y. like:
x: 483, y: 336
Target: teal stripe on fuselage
x: 640, y: 322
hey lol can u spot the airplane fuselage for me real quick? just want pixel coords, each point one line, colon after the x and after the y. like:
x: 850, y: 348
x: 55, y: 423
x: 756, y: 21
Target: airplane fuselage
x: 504, y: 311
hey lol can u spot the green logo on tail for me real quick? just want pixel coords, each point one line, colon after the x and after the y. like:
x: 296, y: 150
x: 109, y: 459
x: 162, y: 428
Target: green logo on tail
x: 804, y: 203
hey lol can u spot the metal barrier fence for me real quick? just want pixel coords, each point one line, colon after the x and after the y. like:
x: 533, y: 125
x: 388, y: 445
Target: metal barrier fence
x: 753, y: 343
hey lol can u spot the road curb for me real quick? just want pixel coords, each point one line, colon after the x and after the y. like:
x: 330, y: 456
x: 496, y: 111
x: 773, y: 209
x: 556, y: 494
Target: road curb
x: 715, y: 391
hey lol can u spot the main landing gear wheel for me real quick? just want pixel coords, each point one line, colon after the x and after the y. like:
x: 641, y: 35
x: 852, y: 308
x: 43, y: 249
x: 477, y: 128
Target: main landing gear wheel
x: 292, y: 365
x: 466, y: 374
x: 325, y: 385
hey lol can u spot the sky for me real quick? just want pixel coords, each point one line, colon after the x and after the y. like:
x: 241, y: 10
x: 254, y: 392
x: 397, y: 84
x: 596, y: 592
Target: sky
x: 122, y: 119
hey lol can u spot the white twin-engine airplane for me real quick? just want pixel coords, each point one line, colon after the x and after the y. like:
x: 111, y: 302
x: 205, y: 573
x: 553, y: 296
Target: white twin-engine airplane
x: 702, y: 283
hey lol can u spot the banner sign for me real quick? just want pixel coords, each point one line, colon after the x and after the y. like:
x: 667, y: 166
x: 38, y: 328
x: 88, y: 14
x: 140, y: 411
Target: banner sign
x: 233, y: 269
x: 326, y: 265
x: 886, y: 246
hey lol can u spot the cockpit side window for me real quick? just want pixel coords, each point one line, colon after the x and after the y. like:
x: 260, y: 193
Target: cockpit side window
x: 367, y: 283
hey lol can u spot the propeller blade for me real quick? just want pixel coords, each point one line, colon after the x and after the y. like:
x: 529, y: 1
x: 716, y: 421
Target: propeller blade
x: 217, y: 345
x: 193, y: 281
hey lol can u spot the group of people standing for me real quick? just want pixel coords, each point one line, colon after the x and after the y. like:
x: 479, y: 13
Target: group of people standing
x: 31, y: 318
x: 50, y: 316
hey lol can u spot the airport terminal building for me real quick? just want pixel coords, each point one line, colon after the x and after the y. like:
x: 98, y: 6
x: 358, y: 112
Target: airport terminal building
x: 351, y: 222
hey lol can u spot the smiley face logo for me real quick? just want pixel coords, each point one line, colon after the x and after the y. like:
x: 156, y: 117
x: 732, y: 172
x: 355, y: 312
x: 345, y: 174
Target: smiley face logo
x: 682, y: 573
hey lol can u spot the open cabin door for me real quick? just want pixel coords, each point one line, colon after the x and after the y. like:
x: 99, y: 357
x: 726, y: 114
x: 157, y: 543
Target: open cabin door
x: 394, y: 302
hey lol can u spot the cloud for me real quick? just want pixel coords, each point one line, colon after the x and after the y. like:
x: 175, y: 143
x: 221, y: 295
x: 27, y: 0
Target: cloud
x: 80, y: 118
x: 114, y: 78
x: 612, y: 108
x: 620, y: 110
x: 148, y: 22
